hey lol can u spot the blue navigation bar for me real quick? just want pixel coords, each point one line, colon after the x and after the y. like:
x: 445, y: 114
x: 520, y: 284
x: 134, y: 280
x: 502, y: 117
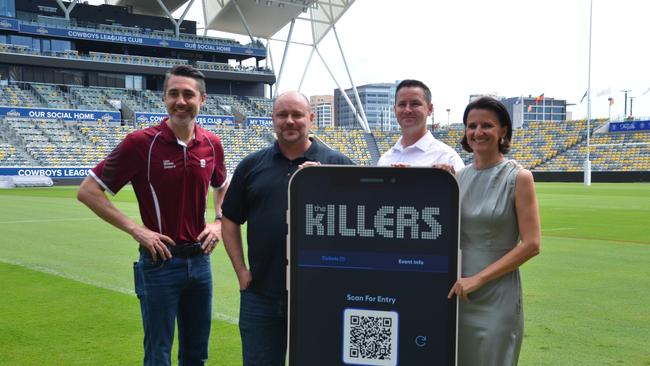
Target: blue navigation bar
x: 374, y: 261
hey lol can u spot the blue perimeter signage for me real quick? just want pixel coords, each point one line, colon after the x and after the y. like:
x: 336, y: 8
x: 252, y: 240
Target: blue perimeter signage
x: 12, y: 24
x: 68, y: 115
x: 259, y: 121
x: 52, y: 172
x: 202, y: 119
x: 629, y: 126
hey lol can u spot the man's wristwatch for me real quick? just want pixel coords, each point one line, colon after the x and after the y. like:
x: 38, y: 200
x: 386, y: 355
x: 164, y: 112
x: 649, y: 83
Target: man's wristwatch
x: 218, y: 216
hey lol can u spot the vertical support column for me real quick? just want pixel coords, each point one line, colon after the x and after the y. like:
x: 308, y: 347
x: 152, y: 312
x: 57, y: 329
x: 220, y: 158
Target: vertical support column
x: 284, y: 57
x: 177, y: 25
x: 311, y: 54
x: 363, y: 123
x: 243, y: 20
x: 354, y: 88
x: 269, y: 57
x: 67, y: 11
x: 205, y: 18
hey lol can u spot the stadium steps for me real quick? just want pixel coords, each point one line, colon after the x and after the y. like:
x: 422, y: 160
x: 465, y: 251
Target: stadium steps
x: 567, y: 156
x: 50, y: 95
x: 265, y: 133
x: 609, y: 152
x: 11, y: 156
x: 373, y: 148
x: 17, y: 146
x: 350, y: 142
x: 83, y: 139
x: 19, y: 95
x: 263, y: 107
x: 559, y: 153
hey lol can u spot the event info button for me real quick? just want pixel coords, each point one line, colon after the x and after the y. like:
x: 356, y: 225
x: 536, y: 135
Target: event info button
x: 410, y: 262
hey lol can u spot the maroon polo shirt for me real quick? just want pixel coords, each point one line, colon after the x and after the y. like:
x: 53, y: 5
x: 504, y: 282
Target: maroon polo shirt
x: 170, y: 180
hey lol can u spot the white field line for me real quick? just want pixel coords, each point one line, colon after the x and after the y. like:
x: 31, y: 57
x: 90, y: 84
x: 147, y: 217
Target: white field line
x: 128, y: 291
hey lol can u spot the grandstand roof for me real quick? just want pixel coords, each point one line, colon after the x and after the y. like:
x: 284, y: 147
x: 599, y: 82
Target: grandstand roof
x: 264, y: 18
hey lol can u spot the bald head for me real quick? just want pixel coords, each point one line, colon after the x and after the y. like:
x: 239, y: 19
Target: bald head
x: 292, y: 119
x: 292, y: 96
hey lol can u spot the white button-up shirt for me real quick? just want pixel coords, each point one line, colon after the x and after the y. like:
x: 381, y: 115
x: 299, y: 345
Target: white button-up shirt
x: 424, y: 152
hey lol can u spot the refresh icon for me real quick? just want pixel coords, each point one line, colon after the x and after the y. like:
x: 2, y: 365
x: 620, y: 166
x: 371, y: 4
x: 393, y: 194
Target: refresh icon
x: 421, y: 341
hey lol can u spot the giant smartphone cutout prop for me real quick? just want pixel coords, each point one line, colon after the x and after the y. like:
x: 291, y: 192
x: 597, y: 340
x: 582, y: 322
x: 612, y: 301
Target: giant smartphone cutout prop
x: 372, y: 255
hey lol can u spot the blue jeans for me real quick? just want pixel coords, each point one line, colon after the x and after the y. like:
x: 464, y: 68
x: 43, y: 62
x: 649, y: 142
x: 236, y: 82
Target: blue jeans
x: 178, y: 289
x: 263, y: 328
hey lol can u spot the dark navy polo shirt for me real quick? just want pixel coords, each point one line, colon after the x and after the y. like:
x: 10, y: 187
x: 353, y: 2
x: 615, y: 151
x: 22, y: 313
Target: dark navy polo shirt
x: 258, y: 195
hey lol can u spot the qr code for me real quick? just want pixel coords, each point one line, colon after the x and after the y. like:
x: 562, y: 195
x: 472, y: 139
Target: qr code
x: 369, y: 337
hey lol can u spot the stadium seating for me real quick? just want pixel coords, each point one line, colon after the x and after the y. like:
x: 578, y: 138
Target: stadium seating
x: 234, y: 105
x: 13, y: 95
x: 90, y: 98
x: 152, y: 101
x: 99, y: 98
x: 385, y: 139
x: 539, y: 142
x: 237, y: 143
x: 261, y: 107
x: 452, y: 136
x: 214, y: 107
x: 98, y: 56
x: 49, y: 142
x: 542, y: 146
x: 10, y: 156
x: 52, y: 96
x: 218, y: 66
x: 133, y: 31
x: 532, y: 145
x: 627, y: 151
x: 132, y: 59
x: 348, y: 141
x: 135, y: 59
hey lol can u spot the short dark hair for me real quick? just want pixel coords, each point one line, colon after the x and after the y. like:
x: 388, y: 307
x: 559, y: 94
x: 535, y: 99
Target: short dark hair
x: 490, y: 104
x: 412, y: 83
x: 187, y: 71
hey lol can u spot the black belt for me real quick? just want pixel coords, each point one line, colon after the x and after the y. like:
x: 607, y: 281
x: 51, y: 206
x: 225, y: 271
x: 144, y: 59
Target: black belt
x: 184, y: 250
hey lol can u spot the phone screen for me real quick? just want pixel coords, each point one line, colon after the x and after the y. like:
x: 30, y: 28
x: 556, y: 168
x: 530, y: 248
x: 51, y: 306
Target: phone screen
x: 373, y: 253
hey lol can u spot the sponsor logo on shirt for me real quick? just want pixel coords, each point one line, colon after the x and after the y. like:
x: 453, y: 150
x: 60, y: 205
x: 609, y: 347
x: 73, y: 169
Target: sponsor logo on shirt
x: 202, y: 162
x: 168, y: 164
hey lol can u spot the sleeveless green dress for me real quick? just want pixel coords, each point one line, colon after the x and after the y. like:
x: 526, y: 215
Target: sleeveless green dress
x: 490, y: 328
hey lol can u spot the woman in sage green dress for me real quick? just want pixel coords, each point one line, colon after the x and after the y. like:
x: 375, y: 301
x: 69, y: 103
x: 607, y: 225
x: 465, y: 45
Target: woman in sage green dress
x: 499, y: 231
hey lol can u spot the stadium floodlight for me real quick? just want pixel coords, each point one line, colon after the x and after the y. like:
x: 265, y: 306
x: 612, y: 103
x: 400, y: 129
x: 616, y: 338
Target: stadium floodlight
x: 625, y: 110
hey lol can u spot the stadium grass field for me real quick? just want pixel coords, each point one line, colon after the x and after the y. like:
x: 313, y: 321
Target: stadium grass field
x: 66, y: 293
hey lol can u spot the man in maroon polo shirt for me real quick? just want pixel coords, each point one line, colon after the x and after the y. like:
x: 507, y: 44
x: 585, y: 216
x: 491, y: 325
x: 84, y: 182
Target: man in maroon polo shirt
x: 170, y: 167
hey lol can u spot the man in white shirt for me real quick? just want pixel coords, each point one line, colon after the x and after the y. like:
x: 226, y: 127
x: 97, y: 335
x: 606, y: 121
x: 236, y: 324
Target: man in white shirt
x: 417, y: 146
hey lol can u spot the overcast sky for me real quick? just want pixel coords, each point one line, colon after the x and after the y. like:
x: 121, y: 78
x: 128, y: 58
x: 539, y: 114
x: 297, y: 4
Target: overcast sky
x: 504, y: 47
